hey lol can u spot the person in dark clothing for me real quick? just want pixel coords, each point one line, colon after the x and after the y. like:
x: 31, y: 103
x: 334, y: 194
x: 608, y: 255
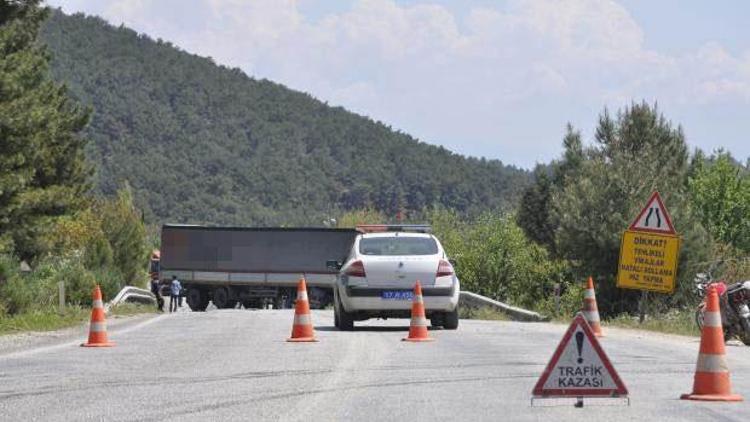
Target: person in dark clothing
x: 155, y: 291
x: 175, y: 288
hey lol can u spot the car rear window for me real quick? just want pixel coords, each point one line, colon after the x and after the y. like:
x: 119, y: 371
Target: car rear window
x: 398, y: 246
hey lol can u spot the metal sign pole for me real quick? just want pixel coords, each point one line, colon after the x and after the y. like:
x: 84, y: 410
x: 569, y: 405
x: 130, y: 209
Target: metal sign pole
x: 642, y: 307
x: 61, y: 295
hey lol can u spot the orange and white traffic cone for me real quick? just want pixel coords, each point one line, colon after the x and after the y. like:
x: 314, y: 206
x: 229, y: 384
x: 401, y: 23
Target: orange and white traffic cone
x: 418, y: 326
x: 590, y: 310
x: 302, y: 329
x: 711, y: 382
x: 98, y: 326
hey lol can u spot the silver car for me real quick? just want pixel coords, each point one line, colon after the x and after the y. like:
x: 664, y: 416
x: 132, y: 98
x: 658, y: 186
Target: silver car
x: 378, y: 277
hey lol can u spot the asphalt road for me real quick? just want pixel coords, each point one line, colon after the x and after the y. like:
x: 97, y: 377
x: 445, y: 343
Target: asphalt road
x: 236, y: 365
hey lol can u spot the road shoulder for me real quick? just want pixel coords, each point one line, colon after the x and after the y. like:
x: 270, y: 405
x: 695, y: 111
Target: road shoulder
x: 27, y: 341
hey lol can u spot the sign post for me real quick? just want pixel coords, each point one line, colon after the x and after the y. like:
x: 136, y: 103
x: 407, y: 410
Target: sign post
x: 61, y: 296
x: 649, y: 251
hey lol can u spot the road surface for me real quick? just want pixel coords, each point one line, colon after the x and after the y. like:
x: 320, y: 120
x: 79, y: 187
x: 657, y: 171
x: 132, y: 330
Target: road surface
x: 236, y: 365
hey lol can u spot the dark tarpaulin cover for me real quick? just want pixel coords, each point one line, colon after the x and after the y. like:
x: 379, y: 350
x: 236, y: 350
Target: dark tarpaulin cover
x: 262, y: 250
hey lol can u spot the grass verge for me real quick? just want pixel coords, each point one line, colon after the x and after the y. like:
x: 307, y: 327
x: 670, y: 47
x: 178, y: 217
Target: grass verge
x: 50, y: 319
x: 43, y: 320
x: 483, y: 312
x: 682, y: 323
x: 125, y: 309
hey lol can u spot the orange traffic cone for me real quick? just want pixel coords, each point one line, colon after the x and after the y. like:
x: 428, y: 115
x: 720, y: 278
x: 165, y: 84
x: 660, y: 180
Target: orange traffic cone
x: 711, y: 382
x: 590, y: 310
x: 302, y: 330
x: 98, y: 326
x: 418, y: 326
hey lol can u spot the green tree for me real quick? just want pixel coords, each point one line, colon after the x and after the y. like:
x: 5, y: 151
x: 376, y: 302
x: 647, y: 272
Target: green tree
x: 534, y: 214
x: 721, y: 193
x: 351, y: 219
x: 533, y: 211
x: 636, y: 153
x: 122, y: 224
x: 495, y: 259
x: 201, y: 143
x: 43, y: 172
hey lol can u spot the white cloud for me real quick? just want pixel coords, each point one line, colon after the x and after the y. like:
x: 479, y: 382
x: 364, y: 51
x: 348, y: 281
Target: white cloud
x: 462, y: 81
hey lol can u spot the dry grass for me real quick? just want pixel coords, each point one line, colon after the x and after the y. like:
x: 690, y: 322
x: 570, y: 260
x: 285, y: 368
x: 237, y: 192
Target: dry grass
x: 43, y: 320
x: 682, y: 323
x: 50, y: 319
x: 125, y: 309
x: 484, y: 313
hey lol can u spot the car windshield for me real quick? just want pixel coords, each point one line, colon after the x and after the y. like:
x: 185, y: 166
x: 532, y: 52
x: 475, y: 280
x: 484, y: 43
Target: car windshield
x: 398, y: 246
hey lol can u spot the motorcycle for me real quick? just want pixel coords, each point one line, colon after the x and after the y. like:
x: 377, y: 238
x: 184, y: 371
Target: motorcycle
x: 733, y: 302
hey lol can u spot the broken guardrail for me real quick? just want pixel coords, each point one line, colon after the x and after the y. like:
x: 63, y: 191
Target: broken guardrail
x: 131, y: 294
x: 519, y: 314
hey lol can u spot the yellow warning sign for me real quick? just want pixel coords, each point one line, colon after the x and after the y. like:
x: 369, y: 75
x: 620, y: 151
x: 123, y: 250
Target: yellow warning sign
x: 648, y: 261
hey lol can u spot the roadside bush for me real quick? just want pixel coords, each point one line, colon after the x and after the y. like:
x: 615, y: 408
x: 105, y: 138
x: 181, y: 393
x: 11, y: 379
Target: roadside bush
x: 108, y: 239
x: 571, y: 301
x: 351, y: 219
x: 79, y: 282
x: 18, y: 295
x: 110, y: 280
x: 495, y: 259
x: 122, y: 225
x: 20, y: 292
x: 38, y: 290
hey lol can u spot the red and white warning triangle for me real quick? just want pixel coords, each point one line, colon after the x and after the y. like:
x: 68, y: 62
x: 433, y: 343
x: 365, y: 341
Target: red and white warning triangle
x: 653, y: 217
x: 579, y: 367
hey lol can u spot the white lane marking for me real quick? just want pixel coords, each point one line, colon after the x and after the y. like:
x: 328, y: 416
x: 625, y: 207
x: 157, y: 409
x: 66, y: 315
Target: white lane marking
x: 42, y: 349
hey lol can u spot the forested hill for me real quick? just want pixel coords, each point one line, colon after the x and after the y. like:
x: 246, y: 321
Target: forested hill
x: 202, y: 143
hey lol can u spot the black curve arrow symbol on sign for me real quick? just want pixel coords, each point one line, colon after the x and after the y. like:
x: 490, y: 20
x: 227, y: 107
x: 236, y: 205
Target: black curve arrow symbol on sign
x: 652, y: 211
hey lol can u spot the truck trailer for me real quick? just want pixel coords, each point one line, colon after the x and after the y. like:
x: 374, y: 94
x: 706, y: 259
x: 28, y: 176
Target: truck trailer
x: 255, y: 267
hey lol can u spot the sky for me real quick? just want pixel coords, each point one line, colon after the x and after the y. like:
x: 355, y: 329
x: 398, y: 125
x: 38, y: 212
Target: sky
x: 498, y: 79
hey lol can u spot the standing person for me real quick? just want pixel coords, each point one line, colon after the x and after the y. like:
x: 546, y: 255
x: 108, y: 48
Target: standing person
x: 174, y: 298
x: 155, y: 291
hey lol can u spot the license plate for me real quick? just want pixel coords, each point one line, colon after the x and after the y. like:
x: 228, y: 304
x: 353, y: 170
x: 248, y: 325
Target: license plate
x: 398, y: 295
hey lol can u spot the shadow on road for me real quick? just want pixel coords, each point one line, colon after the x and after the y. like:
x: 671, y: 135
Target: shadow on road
x: 369, y: 328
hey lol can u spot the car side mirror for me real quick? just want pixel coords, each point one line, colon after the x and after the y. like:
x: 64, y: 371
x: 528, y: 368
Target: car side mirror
x: 333, y: 265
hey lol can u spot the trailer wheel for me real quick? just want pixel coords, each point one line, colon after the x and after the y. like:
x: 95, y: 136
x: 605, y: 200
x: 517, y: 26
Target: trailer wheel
x: 221, y: 297
x: 197, y: 300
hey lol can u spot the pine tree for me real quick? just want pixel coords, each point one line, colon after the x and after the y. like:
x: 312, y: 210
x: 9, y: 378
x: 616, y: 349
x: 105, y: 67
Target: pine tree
x: 43, y: 173
x: 636, y: 153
